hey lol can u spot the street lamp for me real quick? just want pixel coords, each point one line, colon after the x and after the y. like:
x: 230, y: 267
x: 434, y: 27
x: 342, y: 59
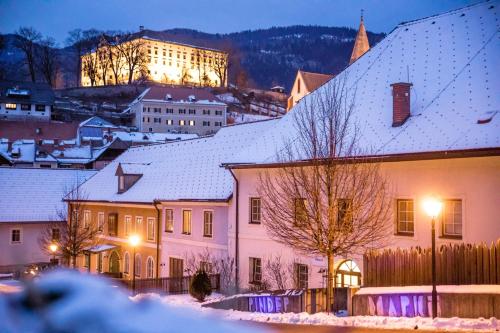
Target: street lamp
x: 53, y: 248
x: 432, y: 207
x: 134, y: 240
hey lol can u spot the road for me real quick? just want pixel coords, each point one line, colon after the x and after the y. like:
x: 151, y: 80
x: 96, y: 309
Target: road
x: 288, y: 328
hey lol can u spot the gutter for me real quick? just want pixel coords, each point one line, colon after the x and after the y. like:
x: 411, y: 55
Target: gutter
x: 158, y: 223
x: 237, y: 241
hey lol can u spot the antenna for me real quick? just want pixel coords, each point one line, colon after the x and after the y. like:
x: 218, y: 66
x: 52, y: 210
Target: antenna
x: 362, y: 11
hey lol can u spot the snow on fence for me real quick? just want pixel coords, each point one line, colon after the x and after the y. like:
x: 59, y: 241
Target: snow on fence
x: 455, y: 264
x: 169, y: 285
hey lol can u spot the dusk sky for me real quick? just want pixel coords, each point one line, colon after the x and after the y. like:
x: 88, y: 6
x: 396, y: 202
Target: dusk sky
x: 56, y: 17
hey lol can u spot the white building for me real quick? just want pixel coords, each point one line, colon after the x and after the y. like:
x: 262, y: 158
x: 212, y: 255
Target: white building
x: 25, y: 101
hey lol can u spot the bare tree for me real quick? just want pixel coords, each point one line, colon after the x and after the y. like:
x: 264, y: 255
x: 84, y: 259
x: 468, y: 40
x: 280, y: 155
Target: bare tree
x: 333, y: 202
x: 133, y: 51
x: 220, y: 65
x: 116, y: 60
x: 276, y: 272
x: 89, y: 59
x: 26, y: 41
x: 185, y: 76
x: 47, y: 60
x: 104, y: 61
x: 75, y: 237
x: 76, y: 41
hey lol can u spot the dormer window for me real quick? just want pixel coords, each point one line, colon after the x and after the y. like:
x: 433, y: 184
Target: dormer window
x: 128, y: 174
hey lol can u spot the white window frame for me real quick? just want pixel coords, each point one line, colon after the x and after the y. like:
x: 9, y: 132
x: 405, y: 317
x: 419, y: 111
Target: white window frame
x: 150, y: 261
x: 398, y: 220
x: 253, y: 270
x: 211, y: 223
x: 190, y: 221
x: 100, y: 222
x: 138, y: 262
x: 127, y: 221
x: 252, y: 213
x: 126, y: 263
x: 138, y: 221
x: 20, y: 236
x: 150, y: 227
x: 87, y: 217
x: 444, y: 234
x: 168, y: 212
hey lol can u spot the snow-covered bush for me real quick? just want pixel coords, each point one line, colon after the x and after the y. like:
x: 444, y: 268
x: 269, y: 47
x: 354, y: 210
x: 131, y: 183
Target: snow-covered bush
x: 200, y: 286
x: 67, y: 301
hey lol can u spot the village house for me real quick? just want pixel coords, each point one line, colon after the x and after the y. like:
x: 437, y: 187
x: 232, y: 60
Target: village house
x: 20, y: 228
x: 167, y: 109
x: 25, y: 101
x: 426, y: 111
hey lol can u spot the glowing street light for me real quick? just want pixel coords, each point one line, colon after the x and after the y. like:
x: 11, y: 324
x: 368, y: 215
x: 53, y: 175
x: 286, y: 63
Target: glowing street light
x: 53, y: 249
x: 134, y: 240
x: 432, y: 207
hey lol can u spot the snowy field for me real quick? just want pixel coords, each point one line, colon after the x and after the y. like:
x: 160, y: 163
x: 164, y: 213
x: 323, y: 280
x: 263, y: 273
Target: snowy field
x: 440, y: 324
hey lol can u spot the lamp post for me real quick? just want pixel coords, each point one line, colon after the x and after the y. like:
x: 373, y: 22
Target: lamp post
x: 53, y: 248
x: 432, y: 207
x: 134, y: 240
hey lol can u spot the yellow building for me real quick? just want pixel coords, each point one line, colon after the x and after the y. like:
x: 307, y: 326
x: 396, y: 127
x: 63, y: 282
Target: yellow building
x: 156, y: 60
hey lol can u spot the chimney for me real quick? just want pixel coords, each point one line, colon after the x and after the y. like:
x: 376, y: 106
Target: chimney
x: 141, y: 28
x: 400, y: 103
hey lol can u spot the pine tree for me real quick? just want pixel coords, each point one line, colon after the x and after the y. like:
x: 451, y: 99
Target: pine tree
x: 200, y: 286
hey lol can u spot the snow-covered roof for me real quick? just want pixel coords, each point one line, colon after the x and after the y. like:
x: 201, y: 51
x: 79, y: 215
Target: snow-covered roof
x: 35, y: 195
x: 181, y: 170
x: 97, y: 122
x: 145, y: 137
x: 451, y: 59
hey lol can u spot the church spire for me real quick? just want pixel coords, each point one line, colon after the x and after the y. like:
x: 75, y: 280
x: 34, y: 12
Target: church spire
x: 361, y: 44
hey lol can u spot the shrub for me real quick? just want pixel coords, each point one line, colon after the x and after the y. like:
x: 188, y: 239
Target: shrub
x: 200, y: 286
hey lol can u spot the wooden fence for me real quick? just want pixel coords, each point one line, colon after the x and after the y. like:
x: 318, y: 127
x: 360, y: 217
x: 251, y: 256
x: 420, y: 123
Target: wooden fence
x: 169, y: 285
x: 455, y: 264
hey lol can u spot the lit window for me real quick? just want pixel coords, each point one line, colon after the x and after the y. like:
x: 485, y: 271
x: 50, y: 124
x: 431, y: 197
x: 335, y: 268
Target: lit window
x: 112, y: 224
x: 405, y: 217
x: 186, y: 222
x: 128, y: 225
x: 151, y: 229
x: 255, y: 270
x: 255, y: 210
x: 169, y: 220
x: 191, y: 123
x: 208, y: 223
x: 138, y: 225
x: 10, y: 106
x: 451, y: 218
x: 25, y: 107
x: 150, y: 268
x: 182, y: 122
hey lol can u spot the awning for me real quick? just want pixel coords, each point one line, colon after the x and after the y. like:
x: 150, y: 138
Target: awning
x: 101, y: 248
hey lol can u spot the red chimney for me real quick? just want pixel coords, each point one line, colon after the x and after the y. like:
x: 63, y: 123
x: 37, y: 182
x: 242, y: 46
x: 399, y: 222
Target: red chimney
x: 400, y: 103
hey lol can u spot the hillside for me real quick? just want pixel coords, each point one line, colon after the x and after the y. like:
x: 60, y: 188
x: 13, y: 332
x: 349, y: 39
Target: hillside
x: 262, y: 58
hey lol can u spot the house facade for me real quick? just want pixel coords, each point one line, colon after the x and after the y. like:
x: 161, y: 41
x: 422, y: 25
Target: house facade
x: 178, y: 110
x: 305, y: 83
x: 20, y: 228
x: 25, y: 101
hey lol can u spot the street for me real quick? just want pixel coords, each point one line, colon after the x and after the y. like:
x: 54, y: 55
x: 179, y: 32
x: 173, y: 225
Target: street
x: 289, y: 328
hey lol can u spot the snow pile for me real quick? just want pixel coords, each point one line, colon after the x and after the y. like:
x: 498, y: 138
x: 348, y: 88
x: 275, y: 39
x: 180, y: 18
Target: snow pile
x: 67, y: 301
x: 442, y: 324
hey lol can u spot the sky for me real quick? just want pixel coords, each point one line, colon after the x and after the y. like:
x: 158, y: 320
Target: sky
x: 56, y: 17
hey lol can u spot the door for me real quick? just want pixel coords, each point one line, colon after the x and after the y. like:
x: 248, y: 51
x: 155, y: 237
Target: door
x: 176, y: 272
x: 114, y: 263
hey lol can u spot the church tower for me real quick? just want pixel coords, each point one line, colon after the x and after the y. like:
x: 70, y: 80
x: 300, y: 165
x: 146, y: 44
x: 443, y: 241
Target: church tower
x: 361, y: 44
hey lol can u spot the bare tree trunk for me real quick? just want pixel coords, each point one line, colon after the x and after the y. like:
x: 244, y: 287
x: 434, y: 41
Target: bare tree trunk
x: 330, y: 282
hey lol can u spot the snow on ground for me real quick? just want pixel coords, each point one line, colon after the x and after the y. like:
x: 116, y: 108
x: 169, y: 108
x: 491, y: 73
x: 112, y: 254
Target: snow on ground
x: 441, y: 324
x: 465, y: 289
x: 67, y: 301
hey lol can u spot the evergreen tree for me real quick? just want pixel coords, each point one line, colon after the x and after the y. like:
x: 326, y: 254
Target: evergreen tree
x: 200, y: 286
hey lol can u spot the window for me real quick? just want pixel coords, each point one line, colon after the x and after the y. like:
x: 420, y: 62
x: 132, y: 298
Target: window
x: 40, y: 107
x: 451, y: 218
x: 121, y: 183
x: 206, y: 112
x: 126, y: 263
x: 298, y: 86
x: 26, y: 107
x: 206, y: 123
x: 112, y: 225
x: 138, y: 265
x: 206, y: 266
x: 255, y: 270
x: 150, y: 268
x: 86, y: 219
x: 10, y: 106
x: 191, y: 111
x: 169, y: 110
x: 151, y: 229
x: 128, y: 225
x: 255, y: 210
x: 138, y: 225
x: 182, y: 111
x: 186, y: 222
x: 300, y: 211
x: 170, y: 121
x: 86, y: 262
x: 347, y: 274
x: 301, y: 273
x: 15, y: 236
x: 217, y: 123
x: 182, y: 122
x: 405, y: 218
x: 100, y: 221
x: 344, y: 213
x: 191, y: 123
x: 218, y: 112
x: 56, y: 234
x: 169, y: 220
x: 208, y: 217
